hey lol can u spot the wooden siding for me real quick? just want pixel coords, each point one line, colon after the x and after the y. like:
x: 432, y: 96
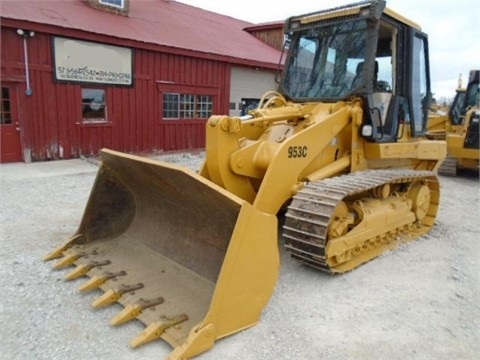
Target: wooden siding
x: 273, y: 37
x: 51, y: 119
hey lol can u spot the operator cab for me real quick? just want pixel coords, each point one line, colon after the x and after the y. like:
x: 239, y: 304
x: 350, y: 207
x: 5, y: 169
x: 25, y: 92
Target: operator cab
x: 361, y: 50
x: 471, y: 104
x: 466, y: 99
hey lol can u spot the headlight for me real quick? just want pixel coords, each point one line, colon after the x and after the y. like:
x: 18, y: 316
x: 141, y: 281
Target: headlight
x: 367, y: 130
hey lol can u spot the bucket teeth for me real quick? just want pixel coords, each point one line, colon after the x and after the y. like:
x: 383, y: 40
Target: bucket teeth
x: 131, y: 311
x: 92, y: 284
x: 79, y: 271
x: 55, y: 254
x: 156, y: 329
x: 110, y: 296
x: 67, y: 261
x: 83, y: 269
x: 96, y: 281
x: 58, y: 252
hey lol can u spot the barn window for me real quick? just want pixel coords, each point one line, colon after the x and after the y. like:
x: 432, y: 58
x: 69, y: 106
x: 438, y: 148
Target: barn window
x: 187, y: 106
x: 5, y: 109
x: 120, y: 4
x: 94, y: 109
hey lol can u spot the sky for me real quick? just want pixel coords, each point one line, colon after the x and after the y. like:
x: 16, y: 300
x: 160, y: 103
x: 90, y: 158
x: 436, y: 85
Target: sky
x: 453, y: 28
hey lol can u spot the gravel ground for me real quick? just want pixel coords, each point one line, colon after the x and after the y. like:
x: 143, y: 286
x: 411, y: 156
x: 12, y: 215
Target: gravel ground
x: 420, y: 301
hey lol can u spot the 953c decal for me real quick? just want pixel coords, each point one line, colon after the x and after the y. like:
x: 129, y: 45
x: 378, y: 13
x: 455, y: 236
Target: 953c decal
x: 297, y: 151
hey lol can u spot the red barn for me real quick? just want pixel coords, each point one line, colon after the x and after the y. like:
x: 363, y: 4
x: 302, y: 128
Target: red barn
x: 134, y: 76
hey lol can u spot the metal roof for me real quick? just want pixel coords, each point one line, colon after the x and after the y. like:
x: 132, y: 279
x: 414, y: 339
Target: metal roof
x: 161, y: 22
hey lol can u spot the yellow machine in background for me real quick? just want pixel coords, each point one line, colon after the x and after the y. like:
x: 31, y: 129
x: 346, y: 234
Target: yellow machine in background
x: 338, y: 154
x: 460, y: 128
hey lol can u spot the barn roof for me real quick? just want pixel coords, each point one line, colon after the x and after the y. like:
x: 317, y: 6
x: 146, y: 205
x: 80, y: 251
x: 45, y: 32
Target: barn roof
x: 160, y: 22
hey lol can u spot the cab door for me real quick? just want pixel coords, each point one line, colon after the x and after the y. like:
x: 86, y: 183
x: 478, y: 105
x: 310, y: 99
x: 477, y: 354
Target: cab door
x: 10, y: 145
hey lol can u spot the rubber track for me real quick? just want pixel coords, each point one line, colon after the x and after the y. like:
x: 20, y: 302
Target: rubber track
x: 308, y: 217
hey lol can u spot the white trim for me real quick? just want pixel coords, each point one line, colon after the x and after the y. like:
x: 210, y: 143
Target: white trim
x: 109, y: 3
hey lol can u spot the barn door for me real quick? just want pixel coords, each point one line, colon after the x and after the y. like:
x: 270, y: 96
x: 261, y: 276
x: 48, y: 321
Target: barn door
x: 10, y: 146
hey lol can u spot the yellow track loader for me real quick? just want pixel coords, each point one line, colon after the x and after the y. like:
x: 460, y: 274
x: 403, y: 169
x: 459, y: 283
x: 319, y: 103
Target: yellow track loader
x: 337, y: 155
x: 460, y: 128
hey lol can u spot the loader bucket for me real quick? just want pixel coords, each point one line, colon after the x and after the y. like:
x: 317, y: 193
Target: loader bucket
x: 191, y: 261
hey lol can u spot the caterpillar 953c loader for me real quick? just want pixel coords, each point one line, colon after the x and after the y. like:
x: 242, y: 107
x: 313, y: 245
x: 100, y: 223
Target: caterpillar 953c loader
x: 460, y: 128
x: 338, y: 152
